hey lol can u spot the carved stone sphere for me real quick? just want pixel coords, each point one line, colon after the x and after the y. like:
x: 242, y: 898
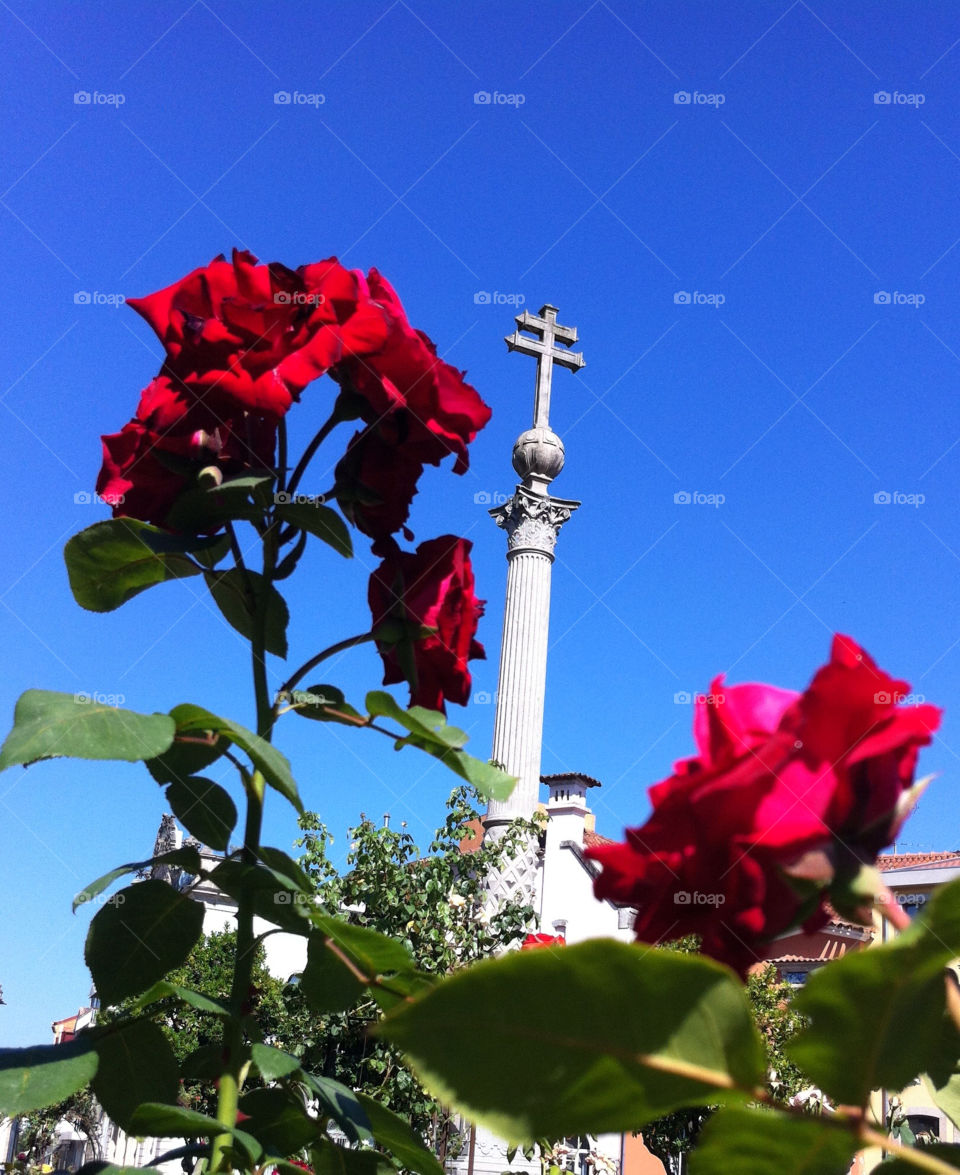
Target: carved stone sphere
x: 538, y: 451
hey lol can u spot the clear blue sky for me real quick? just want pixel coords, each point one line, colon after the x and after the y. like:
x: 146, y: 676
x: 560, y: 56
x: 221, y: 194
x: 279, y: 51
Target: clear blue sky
x: 781, y: 187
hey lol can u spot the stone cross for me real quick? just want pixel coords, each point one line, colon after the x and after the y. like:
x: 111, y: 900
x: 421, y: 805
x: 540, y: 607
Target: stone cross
x: 548, y: 333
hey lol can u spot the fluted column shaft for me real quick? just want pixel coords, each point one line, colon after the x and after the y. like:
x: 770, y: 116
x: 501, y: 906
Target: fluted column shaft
x: 532, y: 521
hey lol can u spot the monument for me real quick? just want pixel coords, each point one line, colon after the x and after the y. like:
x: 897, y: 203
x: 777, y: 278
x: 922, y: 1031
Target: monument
x: 532, y: 520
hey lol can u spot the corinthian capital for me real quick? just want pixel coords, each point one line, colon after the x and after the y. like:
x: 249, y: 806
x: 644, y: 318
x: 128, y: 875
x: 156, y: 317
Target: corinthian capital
x: 532, y: 521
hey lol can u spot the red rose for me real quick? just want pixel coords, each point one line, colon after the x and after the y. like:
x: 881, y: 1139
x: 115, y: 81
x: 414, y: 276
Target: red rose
x: 442, y: 412
x: 432, y: 587
x: 156, y: 455
x: 376, y: 481
x: 778, y: 775
x: 535, y: 941
x: 247, y: 336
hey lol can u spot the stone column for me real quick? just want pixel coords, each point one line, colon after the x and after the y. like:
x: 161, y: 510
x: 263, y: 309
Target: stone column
x: 532, y: 521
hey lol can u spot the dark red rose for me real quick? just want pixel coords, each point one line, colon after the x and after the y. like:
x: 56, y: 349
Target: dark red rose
x: 376, y: 481
x: 172, y: 437
x: 244, y: 336
x: 778, y: 776
x: 432, y: 587
x: 443, y: 413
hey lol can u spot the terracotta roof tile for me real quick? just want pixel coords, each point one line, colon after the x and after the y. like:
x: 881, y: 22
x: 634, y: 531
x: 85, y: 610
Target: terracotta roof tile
x: 941, y: 860
x: 593, y: 840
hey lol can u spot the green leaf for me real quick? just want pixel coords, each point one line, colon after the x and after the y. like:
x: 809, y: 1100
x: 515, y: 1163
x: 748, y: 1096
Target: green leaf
x: 44, y: 1074
x: 273, y: 1063
x: 767, y: 1143
x: 876, y: 1017
x: 371, y: 952
x: 274, y: 766
x: 231, y: 591
x: 491, y: 782
x: 136, y: 1065
x: 186, y: 858
x: 943, y: 1070
x: 397, y: 1136
x: 185, y: 759
x: 47, y: 725
x: 873, y: 1022
x: 163, y: 1121
x: 327, y: 983
x: 341, y: 1104
x: 429, y: 732
x: 324, y: 703
x: 166, y: 990
x: 99, y: 1168
x: 317, y: 520
x: 612, y: 1065
x: 202, y: 509
x: 278, y: 1120
x: 285, y: 865
x: 938, y: 1150
x: 112, y: 561
x: 330, y: 1159
x: 148, y: 930
x: 273, y: 897
x: 204, y: 809
x: 205, y: 1062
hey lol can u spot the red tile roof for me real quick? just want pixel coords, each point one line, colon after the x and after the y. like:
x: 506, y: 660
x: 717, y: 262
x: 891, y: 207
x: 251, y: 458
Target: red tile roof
x: 940, y: 860
x: 593, y: 840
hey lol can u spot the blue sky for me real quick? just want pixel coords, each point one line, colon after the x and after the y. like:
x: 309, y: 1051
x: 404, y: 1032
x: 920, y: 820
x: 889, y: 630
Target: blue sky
x: 750, y: 212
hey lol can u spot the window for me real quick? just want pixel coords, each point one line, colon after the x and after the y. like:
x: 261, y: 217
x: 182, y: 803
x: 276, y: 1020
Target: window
x: 912, y: 903
x: 797, y: 978
x: 925, y: 1127
x: 577, y: 1159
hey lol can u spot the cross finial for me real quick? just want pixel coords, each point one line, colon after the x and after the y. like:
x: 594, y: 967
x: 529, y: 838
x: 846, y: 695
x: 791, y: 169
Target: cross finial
x: 548, y: 333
